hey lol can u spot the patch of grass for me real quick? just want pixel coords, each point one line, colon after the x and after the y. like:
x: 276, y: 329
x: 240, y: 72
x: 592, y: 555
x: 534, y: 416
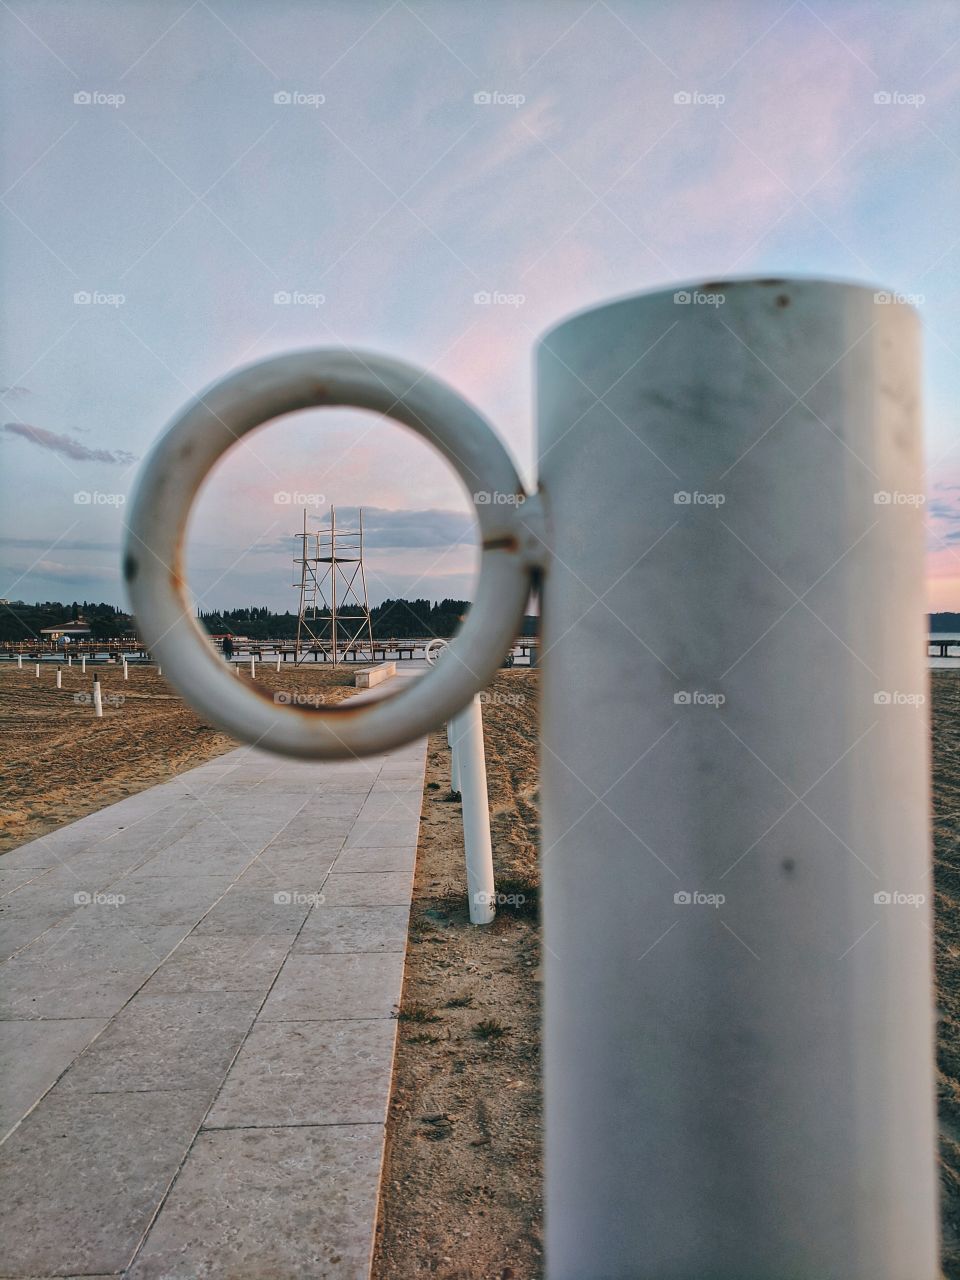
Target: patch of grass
x: 489, y: 1029
x: 460, y: 1002
x: 523, y: 894
x: 422, y: 1037
x: 418, y: 1013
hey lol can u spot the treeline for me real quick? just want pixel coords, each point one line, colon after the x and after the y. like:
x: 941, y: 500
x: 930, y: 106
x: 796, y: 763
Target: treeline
x: 400, y: 618
x: 21, y: 621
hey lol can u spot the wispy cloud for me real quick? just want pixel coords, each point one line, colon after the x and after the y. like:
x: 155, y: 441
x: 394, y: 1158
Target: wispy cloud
x: 66, y: 445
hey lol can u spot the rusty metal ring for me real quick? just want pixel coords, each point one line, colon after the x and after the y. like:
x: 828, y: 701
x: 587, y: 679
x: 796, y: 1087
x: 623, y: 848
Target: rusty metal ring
x: 205, y: 430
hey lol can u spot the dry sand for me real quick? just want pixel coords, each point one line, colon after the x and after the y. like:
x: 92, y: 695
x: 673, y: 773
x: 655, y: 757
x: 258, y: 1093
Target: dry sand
x: 462, y: 1186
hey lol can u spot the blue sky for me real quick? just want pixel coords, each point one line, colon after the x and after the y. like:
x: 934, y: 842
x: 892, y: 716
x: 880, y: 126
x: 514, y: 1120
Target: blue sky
x: 183, y: 198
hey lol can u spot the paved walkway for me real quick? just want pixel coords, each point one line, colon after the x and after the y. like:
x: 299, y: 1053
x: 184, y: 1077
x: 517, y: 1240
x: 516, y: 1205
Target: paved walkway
x: 197, y: 1049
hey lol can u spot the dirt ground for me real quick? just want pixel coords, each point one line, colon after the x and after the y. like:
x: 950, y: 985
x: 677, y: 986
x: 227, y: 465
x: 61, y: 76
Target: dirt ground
x: 946, y: 844
x: 59, y: 762
x: 462, y: 1183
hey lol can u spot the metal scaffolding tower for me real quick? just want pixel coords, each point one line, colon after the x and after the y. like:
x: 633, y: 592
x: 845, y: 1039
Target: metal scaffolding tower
x: 334, y: 616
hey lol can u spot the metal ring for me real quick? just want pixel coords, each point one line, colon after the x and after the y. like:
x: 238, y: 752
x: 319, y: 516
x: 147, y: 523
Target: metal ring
x: 205, y: 430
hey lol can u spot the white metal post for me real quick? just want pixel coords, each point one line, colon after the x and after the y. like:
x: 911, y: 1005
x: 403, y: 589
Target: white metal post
x: 97, y: 700
x: 37, y: 671
x: 59, y: 677
x: 83, y: 665
x: 278, y: 663
x: 19, y: 661
x: 468, y: 752
x: 253, y: 667
x: 125, y: 672
x: 69, y: 659
x: 738, y: 1018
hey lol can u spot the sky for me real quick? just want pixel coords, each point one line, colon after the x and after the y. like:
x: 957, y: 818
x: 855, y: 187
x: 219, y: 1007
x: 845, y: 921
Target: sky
x: 189, y: 188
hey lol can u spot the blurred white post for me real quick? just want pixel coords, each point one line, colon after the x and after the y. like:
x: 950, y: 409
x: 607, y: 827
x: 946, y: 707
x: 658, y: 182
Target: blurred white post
x: 471, y: 768
x: 253, y: 667
x: 19, y: 661
x: 38, y: 670
x: 738, y: 1022
x: 83, y: 665
x: 69, y: 659
x: 59, y: 677
x: 125, y: 672
x: 97, y: 700
x: 278, y: 662
x: 236, y: 669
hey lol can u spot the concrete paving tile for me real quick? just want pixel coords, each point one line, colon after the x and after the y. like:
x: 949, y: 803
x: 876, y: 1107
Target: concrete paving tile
x: 25, y: 923
x: 336, y: 985
x: 91, y: 872
x: 298, y: 870
x: 333, y: 929
x: 32, y: 1055
x: 194, y: 858
x: 149, y: 900
x: 376, y: 859
x: 368, y: 889
x: 218, y: 963
x: 254, y: 912
x: 389, y: 833
x: 166, y: 1042
x: 290, y: 1073
x: 291, y: 1204
x: 16, y: 876
x: 83, y: 1174
x: 79, y: 972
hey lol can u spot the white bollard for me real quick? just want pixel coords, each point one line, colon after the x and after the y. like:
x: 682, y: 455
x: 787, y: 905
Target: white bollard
x: 159, y: 669
x: 38, y: 671
x: 83, y: 666
x: 97, y: 700
x: 278, y: 662
x: 738, y: 1089
x: 125, y: 672
x: 19, y: 661
x: 253, y: 667
x: 59, y: 677
x: 69, y: 659
x: 472, y: 777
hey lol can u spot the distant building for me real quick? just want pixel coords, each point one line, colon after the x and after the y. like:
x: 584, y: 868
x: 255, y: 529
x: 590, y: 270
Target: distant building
x: 67, y: 632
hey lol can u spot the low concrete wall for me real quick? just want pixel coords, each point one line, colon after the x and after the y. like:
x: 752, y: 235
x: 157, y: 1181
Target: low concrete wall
x: 371, y: 676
